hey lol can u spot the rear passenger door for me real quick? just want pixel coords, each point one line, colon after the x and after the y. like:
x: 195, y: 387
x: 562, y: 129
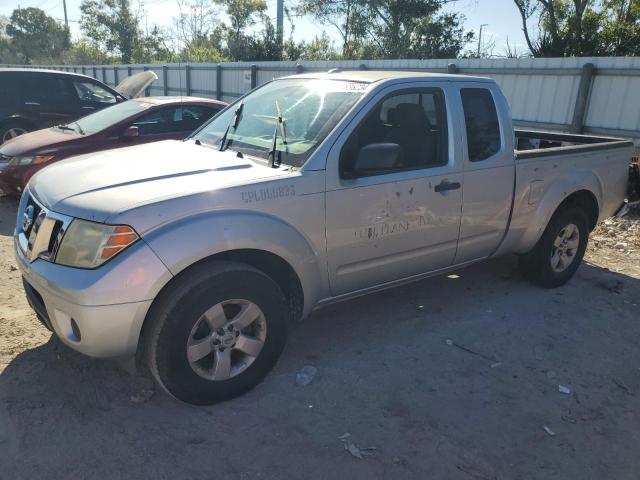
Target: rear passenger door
x: 400, y: 220
x: 49, y: 100
x: 488, y: 170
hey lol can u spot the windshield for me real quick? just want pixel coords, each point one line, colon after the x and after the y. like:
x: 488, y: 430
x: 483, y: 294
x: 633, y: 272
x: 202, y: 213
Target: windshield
x: 109, y: 116
x: 310, y: 109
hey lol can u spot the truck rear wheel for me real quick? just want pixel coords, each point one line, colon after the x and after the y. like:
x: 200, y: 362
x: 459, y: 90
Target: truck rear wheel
x: 559, y: 252
x: 215, y: 333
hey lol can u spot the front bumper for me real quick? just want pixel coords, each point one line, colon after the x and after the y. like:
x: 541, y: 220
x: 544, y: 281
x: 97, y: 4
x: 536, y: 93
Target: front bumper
x: 97, y: 312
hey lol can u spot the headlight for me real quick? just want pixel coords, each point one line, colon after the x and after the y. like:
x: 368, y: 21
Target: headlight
x: 89, y: 245
x: 18, y: 161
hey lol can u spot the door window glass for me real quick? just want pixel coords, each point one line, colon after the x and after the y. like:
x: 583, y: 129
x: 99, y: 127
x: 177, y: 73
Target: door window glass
x: 48, y: 91
x: 481, y: 119
x: 416, y: 121
x: 92, y: 92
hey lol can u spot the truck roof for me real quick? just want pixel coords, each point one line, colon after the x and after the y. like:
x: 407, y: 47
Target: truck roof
x: 372, y: 76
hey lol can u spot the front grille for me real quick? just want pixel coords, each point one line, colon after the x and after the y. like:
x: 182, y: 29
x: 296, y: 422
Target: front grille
x: 39, y: 229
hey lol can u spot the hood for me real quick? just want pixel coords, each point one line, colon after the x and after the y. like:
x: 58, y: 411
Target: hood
x: 134, y: 86
x: 101, y: 185
x: 38, y: 141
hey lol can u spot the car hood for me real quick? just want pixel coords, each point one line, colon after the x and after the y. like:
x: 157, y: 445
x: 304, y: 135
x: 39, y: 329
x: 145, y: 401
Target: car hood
x: 38, y: 141
x: 134, y: 86
x: 101, y: 186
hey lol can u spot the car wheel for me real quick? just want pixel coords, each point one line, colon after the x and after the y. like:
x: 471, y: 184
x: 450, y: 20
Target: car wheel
x: 12, y: 129
x: 215, y: 332
x: 558, y: 253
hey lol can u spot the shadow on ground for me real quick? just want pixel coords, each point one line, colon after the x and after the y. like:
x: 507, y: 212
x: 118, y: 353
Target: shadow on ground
x: 471, y: 408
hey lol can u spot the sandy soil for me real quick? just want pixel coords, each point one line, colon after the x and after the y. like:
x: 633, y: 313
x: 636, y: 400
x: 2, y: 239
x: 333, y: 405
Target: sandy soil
x: 448, y: 378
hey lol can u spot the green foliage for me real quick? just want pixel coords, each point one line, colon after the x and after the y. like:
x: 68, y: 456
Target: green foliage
x: 391, y: 28
x: 581, y: 27
x: 34, y: 35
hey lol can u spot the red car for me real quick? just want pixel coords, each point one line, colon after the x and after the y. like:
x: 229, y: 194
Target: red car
x: 128, y: 123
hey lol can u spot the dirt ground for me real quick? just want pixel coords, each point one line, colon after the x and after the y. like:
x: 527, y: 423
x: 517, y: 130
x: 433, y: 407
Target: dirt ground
x: 448, y: 378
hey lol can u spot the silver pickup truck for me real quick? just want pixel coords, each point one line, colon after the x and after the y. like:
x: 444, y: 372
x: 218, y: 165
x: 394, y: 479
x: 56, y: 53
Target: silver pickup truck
x: 311, y: 189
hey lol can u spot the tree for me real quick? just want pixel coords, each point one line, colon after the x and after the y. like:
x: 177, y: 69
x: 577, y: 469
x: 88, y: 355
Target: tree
x: 348, y: 17
x: 558, y: 28
x: 392, y: 28
x: 620, y: 28
x: 416, y: 29
x: 198, y: 32
x: 240, y: 44
x: 34, y: 34
x: 110, y: 25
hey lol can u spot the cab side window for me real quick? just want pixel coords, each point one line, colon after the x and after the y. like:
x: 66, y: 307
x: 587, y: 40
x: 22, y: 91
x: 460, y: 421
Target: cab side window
x: 93, y: 93
x: 185, y: 118
x: 415, y: 121
x: 481, y: 120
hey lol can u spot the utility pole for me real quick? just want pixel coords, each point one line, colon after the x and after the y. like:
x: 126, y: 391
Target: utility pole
x: 480, y: 37
x: 280, y: 23
x: 66, y: 20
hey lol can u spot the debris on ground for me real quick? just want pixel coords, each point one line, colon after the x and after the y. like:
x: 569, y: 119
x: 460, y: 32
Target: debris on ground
x: 420, y: 308
x: 451, y: 343
x: 353, y: 449
x: 142, y: 396
x: 496, y: 364
x: 305, y: 376
x: 549, y: 431
x: 564, y: 389
x: 622, y: 234
x: 622, y: 385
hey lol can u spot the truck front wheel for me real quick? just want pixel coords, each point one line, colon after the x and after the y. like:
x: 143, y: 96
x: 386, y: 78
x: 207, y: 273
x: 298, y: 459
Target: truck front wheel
x: 558, y: 253
x: 215, y: 332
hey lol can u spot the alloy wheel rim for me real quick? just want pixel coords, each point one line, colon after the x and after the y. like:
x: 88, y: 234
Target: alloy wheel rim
x: 13, y: 133
x: 565, y: 248
x: 226, y: 339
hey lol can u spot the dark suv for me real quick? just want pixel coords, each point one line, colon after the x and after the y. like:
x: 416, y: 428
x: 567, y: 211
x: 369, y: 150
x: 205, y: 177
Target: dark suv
x: 32, y: 99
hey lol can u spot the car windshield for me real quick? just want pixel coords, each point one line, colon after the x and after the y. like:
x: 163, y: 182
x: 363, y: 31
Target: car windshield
x: 106, y: 117
x: 309, y: 110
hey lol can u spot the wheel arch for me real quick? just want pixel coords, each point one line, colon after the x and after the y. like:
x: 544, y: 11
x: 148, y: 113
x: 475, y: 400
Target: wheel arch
x: 582, y: 189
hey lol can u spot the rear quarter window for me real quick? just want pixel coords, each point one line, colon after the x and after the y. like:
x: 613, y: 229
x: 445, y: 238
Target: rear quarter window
x: 482, y: 125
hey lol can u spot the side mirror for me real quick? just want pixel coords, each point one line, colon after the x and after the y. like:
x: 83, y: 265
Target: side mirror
x: 131, y: 132
x: 375, y: 158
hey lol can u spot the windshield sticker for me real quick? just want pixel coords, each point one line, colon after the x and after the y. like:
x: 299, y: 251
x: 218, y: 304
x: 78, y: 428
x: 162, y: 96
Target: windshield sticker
x: 273, y: 193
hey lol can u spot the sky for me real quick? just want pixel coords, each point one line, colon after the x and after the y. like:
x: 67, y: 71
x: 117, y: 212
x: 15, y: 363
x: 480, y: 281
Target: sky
x: 501, y: 17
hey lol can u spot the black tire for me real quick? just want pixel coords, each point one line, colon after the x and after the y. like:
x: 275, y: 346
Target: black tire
x: 536, y: 266
x: 176, y: 311
x: 13, y: 125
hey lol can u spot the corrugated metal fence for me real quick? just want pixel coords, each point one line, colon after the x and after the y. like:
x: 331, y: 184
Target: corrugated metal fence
x: 597, y: 95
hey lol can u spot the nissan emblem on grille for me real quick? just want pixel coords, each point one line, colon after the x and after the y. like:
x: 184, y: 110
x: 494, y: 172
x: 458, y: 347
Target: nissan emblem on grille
x: 27, y: 218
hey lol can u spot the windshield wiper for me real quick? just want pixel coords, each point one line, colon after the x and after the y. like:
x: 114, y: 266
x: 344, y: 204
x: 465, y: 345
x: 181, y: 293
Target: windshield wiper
x: 274, y: 140
x: 79, y: 128
x: 66, y: 128
x: 233, y: 123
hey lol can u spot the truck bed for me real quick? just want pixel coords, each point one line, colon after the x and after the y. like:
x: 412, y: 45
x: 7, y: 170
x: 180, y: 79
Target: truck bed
x: 533, y: 144
x: 551, y: 166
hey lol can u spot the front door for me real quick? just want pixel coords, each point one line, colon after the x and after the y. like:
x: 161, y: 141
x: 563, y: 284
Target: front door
x: 396, y: 220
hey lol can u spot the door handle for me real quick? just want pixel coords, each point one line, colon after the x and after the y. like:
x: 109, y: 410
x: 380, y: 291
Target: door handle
x: 445, y: 185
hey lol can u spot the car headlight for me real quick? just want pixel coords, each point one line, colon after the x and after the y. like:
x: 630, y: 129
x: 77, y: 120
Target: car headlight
x: 89, y: 244
x: 35, y: 159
